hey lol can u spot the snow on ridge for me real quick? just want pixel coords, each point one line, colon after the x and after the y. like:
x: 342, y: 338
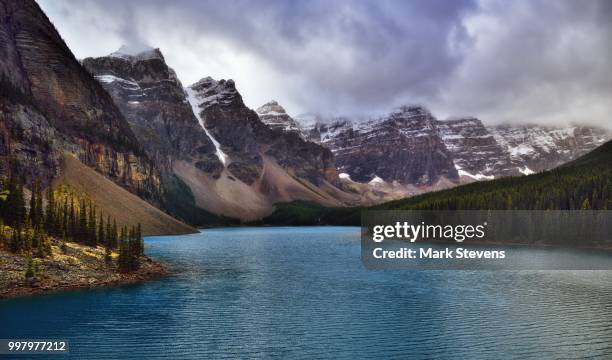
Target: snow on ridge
x: 526, y: 171
x: 136, y: 52
x: 376, y: 180
x: 192, y: 98
x: 478, y: 176
x: 212, y: 92
x: 475, y: 176
x: 345, y: 176
x: 112, y: 78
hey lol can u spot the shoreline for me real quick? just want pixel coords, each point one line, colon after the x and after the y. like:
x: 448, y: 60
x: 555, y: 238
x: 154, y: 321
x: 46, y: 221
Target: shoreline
x: 70, y: 266
x: 149, y: 270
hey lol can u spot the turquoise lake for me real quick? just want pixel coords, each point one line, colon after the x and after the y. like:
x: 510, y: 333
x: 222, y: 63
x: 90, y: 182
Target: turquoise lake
x: 304, y: 293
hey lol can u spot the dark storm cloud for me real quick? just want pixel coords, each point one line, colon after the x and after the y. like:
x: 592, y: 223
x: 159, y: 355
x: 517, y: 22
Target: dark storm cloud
x: 500, y: 60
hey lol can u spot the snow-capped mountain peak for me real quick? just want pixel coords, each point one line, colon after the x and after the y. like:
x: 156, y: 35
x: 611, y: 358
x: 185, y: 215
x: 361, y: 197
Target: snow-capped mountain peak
x: 212, y: 92
x: 136, y: 52
x: 275, y: 116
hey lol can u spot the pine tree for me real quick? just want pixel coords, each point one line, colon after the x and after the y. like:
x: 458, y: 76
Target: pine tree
x: 124, y: 251
x: 73, y: 221
x: 15, y: 204
x: 140, y: 240
x: 101, y: 238
x: 33, y: 212
x: 65, y: 218
x: 82, y: 224
x: 108, y: 236
x: 39, y: 205
x: 91, y: 226
x: 30, y: 270
x: 50, y: 213
x: 114, y: 233
x: 16, y: 243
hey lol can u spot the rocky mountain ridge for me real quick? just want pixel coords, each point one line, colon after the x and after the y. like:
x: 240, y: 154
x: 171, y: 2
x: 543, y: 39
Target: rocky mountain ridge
x: 51, y: 106
x: 155, y: 104
x: 275, y: 116
x: 477, y: 152
x: 206, y: 136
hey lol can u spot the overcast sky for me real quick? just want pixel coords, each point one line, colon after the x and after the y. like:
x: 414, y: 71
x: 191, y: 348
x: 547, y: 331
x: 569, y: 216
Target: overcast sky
x: 502, y: 61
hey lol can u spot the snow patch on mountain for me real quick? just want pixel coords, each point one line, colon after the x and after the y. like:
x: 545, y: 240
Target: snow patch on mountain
x: 212, y: 92
x: 112, y: 78
x: 345, y: 176
x: 478, y: 176
x: 377, y: 181
x: 192, y: 98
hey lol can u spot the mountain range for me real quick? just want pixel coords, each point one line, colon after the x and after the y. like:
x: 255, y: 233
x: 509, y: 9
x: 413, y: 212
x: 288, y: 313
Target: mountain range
x: 124, y: 126
x: 411, y: 146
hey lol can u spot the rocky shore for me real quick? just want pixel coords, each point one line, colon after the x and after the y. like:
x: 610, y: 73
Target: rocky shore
x: 72, y: 266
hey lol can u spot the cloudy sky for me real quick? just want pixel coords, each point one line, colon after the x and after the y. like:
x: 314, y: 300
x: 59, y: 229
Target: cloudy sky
x: 502, y: 61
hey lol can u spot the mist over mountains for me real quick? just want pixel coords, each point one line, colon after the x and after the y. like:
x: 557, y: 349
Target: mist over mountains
x: 520, y: 62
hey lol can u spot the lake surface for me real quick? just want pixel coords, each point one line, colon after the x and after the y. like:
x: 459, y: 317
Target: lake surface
x: 304, y: 293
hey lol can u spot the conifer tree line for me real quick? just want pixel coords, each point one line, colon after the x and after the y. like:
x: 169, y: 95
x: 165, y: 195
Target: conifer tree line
x: 580, y: 188
x: 29, y: 229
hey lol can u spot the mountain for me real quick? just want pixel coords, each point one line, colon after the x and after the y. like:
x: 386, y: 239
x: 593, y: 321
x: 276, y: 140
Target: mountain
x: 585, y: 183
x: 52, y: 108
x: 262, y: 165
x: 215, y: 154
x: 275, y: 116
x: 477, y: 152
x: 55, y: 106
x: 153, y: 101
x: 536, y: 148
x: 405, y: 146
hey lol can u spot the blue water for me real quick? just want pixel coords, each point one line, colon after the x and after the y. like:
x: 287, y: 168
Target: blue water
x: 303, y: 293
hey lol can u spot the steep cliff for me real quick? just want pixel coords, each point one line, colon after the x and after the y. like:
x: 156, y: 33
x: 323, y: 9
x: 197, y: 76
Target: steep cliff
x: 412, y: 147
x: 52, y: 105
x: 149, y: 94
x: 404, y: 146
x: 246, y: 139
x: 476, y: 153
x: 534, y: 148
x: 261, y: 165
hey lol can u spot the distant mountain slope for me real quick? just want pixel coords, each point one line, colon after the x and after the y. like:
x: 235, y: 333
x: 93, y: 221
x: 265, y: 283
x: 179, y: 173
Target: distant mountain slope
x: 370, y: 149
x: 404, y: 146
x: 585, y: 183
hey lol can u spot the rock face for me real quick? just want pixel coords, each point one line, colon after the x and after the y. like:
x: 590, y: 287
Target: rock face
x: 406, y: 146
x: 476, y: 152
x: 411, y: 147
x: 155, y: 104
x: 536, y: 148
x: 275, y: 116
x: 245, y: 139
x: 53, y: 105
